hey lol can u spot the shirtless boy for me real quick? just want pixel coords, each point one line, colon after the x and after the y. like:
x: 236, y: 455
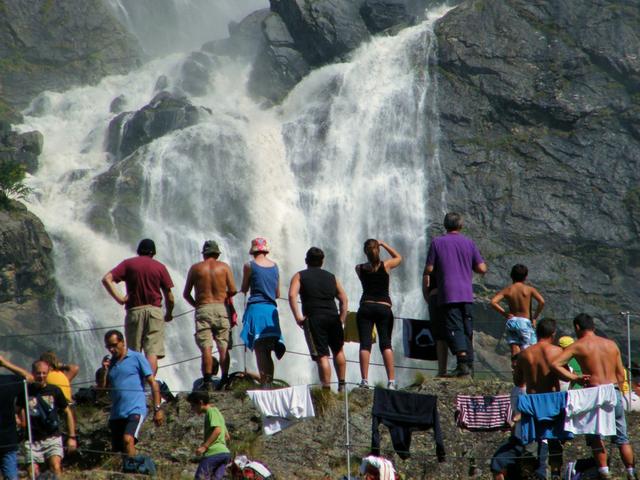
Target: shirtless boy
x: 213, y: 283
x: 520, y: 329
x: 601, y: 364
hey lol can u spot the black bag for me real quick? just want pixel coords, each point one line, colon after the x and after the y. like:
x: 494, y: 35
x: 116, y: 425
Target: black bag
x: 142, y: 464
x: 47, y: 416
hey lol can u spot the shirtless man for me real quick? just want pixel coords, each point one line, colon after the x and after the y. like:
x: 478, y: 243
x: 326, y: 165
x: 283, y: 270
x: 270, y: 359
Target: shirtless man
x: 213, y: 283
x: 520, y: 325
x: 533, y: 368
x: 601, y: 364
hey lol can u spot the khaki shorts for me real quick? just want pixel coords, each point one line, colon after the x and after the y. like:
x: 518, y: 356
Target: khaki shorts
x: 144, y: 330
x: 212, y: 321
x: 44, y: 449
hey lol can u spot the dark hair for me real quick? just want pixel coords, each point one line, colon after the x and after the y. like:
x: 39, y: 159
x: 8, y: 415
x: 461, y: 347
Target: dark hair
x: 372, y: 251
x: 453, y: 221
x: 519, y: 273
x: 117, y: 333
x: 584, y: 321
x: 146, y: 247
x: 198, y: 397
x: 546, y: 328
x: 314, y: 257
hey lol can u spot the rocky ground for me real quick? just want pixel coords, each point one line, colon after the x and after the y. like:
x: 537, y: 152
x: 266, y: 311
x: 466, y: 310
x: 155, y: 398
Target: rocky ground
x: 312, y: 449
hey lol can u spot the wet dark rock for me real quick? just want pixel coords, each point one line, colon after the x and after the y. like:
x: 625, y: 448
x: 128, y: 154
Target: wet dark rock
x: 279, y: 66
x: 380, y: 15
x: 195, y: 73
x: 54, y: 45
x: 117, y: 104
x: 165, y: 113
x: 324, y: 30
x: 162, y: 83
x: 22, y: 148
x: 539, y: 114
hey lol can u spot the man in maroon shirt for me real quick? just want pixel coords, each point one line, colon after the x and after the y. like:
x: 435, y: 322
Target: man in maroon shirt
x: 147, y: 281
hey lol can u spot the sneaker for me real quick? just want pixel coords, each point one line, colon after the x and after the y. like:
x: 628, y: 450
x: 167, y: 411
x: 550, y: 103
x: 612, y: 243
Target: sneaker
x: 341, y: 386
x: 207, y: 386
x: 632, y: 476
x: 364, y: 383
x: 391, y: 385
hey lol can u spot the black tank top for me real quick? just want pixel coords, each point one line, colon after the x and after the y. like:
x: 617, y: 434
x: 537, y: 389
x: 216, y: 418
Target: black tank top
x: 318, y: 292
x: 375, y: 284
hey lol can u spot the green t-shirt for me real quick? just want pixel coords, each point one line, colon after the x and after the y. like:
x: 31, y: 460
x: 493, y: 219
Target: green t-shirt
x: 213, y: 418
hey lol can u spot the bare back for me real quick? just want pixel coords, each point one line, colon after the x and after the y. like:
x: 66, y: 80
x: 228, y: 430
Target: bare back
x: 534, y: 365
x: 519, y: 297
x: 600, y: 359
x: 212, y: 281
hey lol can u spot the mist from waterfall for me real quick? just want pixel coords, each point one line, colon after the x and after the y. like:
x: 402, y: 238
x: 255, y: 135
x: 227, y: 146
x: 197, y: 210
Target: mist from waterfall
x: 350, y: 154
x: 168, y: 26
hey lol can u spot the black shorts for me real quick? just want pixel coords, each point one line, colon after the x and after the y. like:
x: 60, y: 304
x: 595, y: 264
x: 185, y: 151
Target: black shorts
x: 370, y: 314
x: 124, y: 426
x: 323, y: 332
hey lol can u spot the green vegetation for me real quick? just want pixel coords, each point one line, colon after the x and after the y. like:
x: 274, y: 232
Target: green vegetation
x: 11, y: 182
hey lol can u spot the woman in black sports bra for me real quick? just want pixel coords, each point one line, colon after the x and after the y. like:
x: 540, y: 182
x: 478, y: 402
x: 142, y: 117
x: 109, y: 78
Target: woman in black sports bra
x: 375, y: 307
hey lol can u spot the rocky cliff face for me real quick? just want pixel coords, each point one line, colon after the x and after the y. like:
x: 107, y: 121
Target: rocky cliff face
x: 49, y: 45
x: 540, y: 117
x: 27, y: 287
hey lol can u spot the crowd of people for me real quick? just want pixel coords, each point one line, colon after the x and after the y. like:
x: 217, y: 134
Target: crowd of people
x: 319, y: 305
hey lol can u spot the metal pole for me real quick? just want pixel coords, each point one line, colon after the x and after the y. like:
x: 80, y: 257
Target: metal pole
x: 348, y: 444
x: 26, y: 407
x: 628, y: 315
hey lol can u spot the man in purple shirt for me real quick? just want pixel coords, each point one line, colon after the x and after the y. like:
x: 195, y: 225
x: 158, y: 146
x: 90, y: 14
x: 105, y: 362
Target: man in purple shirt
x: 454, y: 258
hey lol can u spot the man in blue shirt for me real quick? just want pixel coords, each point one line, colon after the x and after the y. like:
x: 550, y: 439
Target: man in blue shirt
x: 124, y: 377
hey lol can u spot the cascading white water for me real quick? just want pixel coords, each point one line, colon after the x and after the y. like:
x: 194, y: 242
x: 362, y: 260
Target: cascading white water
x: 349, y: 155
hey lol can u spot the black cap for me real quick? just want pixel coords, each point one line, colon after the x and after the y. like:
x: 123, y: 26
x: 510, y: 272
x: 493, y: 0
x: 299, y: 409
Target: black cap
x: 146, y: 247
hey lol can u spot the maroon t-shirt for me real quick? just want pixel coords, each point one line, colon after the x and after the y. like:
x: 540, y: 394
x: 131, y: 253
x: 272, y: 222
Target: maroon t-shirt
x: 145, y: 279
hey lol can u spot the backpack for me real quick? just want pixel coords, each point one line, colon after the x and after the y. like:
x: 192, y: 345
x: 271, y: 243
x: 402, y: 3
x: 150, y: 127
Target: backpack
x: 142, y: 464
x: 47, y: 416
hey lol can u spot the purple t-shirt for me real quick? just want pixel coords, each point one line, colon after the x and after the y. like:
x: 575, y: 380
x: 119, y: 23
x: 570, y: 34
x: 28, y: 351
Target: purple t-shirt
x: 453, y: 256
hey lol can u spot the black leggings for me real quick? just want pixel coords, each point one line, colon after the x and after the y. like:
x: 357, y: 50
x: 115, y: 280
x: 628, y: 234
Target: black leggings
x: 370, y: 314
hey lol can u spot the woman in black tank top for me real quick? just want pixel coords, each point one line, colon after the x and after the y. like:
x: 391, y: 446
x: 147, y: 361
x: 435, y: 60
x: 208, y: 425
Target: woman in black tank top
x: 375, y: 308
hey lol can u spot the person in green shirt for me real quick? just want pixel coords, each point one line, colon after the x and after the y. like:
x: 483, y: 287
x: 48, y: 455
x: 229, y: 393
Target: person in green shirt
x: 214, y: 451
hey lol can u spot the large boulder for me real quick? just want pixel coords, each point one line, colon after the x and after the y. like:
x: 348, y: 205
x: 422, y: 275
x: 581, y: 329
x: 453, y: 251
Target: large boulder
x: 539, y: 115
x: 54, y: 45
x: 27, y: 286
x: 280, y: 66
x: 323, y: 30
x: 21, y: 148
x: 381, y: 15
x: 245, y: 37
x: 165, y: 113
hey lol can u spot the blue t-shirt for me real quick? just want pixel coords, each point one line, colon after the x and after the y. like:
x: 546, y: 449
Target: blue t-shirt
x: 453, y: 257
x: 126, y: 381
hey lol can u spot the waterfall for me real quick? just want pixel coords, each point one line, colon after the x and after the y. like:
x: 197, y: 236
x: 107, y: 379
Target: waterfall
x: 350, y: 154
